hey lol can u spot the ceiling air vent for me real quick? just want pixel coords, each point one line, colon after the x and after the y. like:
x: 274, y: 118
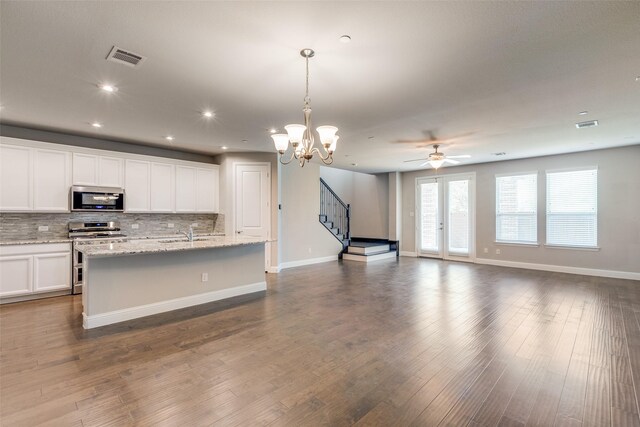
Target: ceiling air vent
x: 587, y: 124
x: 125, y: 57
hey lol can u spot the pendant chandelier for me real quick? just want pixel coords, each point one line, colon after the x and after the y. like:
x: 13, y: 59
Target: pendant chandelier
x: 301, y: 136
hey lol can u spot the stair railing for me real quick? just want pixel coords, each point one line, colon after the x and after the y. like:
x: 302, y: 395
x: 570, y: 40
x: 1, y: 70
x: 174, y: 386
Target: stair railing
x: 336, y: 212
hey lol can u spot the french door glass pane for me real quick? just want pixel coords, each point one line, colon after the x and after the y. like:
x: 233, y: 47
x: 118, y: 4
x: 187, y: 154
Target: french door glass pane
x: 429, y: 217
x: 458, y: 224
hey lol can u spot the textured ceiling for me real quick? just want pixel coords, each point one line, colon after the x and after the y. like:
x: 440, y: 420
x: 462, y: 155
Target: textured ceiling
x: 494, y: 76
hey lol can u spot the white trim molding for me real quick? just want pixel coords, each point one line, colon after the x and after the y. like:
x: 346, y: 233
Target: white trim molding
x: 630, y: 275
x: 125, y: 314
x: 274, y: 269
x: 409, y: 254
x: 309, y: 261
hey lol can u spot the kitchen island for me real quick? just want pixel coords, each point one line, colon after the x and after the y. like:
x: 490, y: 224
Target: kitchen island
x: 137, y: 278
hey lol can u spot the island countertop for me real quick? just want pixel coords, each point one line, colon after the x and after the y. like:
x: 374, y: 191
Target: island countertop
x: 148, y: 246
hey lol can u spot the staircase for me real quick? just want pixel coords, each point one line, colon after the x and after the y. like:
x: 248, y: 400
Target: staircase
x: 368, y: 250
x: 335, y: 216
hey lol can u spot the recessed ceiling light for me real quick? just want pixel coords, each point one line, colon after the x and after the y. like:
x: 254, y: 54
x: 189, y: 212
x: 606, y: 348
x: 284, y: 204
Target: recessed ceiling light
x: 245, y: 141
x: 273, y: 130
x: 224, y: 147
x: 207, y: 114
x: 96, y: 124
x: 354, y: 164
x: 169, y: 138
x: 583, y: 113
x: 638, y: 79
x: 108, y: 88
x: 370, y: 137
x: 345, y: 39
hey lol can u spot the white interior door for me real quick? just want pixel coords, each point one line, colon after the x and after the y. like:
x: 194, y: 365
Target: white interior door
x: 446, y: 217
x: 252, y: 202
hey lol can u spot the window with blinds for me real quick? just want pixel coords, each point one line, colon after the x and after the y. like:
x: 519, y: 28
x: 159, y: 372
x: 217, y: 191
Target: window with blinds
x: 572, y: 208
x: 517, y: 208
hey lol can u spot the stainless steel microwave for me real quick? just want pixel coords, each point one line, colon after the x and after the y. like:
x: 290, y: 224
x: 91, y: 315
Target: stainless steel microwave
x: 95, y: 199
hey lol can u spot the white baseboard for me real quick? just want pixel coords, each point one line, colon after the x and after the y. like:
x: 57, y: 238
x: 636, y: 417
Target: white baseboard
x: 407, y: 253
x: 116, y: 316
x: 309, y: 261
x: 273, y: 269
x: 562, y: 269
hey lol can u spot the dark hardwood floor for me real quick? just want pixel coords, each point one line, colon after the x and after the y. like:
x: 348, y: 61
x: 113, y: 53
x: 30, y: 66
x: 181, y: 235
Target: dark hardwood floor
x: 397, y: 342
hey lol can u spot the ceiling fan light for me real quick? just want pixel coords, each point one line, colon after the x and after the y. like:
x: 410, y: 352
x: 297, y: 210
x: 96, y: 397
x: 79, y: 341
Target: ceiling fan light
x: 281, y: 140
x: 436, y: 163
x: 327, y: 134
x: 295, y: 132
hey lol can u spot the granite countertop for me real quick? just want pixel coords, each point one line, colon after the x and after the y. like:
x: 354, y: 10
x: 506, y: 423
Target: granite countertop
x: 45, y: 240
x: 148, y: 246
x: 39, y: 241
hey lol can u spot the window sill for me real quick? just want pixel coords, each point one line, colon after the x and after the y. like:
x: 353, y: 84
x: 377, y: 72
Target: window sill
x: 574, y: 248
x: 507, y: 243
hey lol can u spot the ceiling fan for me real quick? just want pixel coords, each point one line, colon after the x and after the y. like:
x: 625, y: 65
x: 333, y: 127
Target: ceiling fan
x: 437, y: 158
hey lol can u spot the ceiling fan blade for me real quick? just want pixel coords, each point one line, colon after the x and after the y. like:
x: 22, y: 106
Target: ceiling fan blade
x: 453, y: 162
x: 424, y: 164
x: 462, y: 156
x: 415, y: 160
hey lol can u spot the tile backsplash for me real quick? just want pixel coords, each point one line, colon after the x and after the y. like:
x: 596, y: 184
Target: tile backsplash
x: 16, y: 226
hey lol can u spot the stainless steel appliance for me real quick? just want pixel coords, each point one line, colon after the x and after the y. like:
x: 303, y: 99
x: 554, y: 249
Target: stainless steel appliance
x: 90, y: 199
x: 85, y: 233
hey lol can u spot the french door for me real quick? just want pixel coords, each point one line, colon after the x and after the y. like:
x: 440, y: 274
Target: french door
x: 446, y: 217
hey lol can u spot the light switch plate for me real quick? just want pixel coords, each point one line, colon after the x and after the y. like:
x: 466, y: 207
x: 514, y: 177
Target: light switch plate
x: 195, y: 224
x: 135, y: 226
x: 170, y: 225
x: 43, y: 228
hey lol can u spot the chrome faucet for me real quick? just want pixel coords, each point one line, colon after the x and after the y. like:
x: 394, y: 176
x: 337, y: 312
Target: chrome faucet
x: 189, y: 234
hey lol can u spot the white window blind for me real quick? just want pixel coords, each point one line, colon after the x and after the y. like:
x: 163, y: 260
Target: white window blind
x: 517, y: 208
x: 572, y: 208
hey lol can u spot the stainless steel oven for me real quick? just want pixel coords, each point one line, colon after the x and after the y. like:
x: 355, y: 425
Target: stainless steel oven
x: 86, y: 233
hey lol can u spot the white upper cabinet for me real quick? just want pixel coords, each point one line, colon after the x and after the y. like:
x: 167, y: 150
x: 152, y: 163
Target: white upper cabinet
x: 186, y: 190
x: 92, y: 169
x: 33, y: 179
x: 52, y: 179
x: 110, y: 172
x: 197, y: 189
x: 207, y: 190
x: 137, y: 186
x: 16, y: 178
x: 162, y: 187
x: 85, y: 169
x: 36, y: 176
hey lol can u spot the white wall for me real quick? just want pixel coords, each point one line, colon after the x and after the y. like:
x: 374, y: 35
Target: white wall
x: 368, y: 196
x: 302, y: 238
x: 618, y: 210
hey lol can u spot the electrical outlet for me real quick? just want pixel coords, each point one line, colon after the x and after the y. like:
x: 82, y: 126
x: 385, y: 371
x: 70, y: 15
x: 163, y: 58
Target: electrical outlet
x: 43, y: 228
x: 170, y: 225
x: 205, y: 277
x: 135, y: 226
x: 195, y: 224
x: 497, y: 251
x: 486, y: 250
x: 309, y: 250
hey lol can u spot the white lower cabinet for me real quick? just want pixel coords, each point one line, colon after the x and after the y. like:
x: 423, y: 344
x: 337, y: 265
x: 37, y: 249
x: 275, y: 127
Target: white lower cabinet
x: 33, y: 269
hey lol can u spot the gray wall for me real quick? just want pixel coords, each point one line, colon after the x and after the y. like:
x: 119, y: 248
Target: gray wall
x: 100, y: 144
x: 618, y: 209
x: 302, y: 236
x: 368, y: 196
